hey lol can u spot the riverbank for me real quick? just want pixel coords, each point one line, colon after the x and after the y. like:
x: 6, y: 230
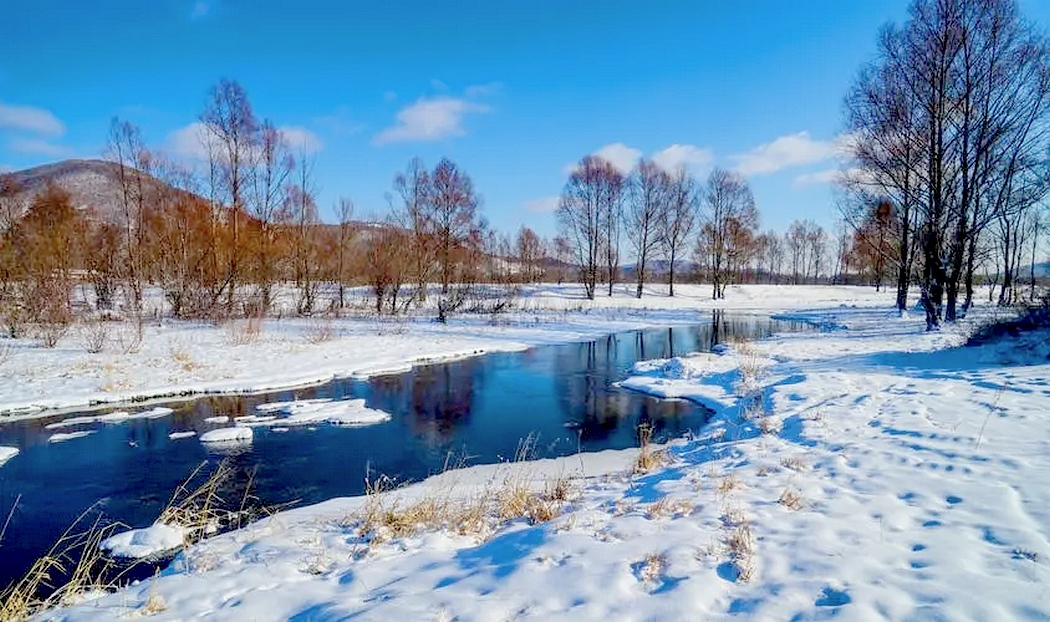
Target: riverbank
x: 177, y: 359
x: 871, y: 470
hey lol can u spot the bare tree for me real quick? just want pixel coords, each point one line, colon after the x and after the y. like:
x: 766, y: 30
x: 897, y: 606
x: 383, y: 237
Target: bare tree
x: 530, y: 254
x: 647, y: 198
x: 729, y: 217
x: 593, y: 189
x: 270, y: 186
x: 126, y: 149
x: 231, y: 132
x: 346, y: 234
x: 678, y: 220
x: 300, y: 211
x: 454, y: 215
x: 415, y: 214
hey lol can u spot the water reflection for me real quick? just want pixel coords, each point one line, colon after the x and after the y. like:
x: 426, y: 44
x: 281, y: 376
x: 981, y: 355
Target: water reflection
x: 480, y: 408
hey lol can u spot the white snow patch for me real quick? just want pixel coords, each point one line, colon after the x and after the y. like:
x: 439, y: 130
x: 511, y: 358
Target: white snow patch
x: 154, y: 541
x: 177, y: 435
x: 217, y: 419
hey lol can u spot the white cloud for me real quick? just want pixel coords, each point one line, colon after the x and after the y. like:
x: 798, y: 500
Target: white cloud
x: 200, y: 10
x: 6, y: 168
x: 37, y: 146
x: 545, y: 205
x: 192, y: 141
x: 785, y: 152
x: 677, y: 156
x: 670, y: 158
x: 30, y: 119
x: 827, y: 176
x: 619, y: 155
x: 430, y: 119
x: 483, y: 90
x: 300, y: 139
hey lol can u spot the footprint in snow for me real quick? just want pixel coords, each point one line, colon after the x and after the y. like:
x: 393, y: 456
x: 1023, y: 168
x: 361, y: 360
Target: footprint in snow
x: 833, y: 598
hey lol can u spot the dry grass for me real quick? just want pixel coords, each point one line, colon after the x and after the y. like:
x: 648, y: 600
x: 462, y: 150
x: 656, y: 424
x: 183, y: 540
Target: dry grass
x: 154, y: 604
x: 94, y: 335
x: 794, y: 463
x: 319, y: 330
x: 50, y: 333
x: 652, y: 567
x: 770, y: 425
x: 649, y: 458
x: 791, y: 498
x: 752, y: 367
x: 6, y: 351
x: 741, y: 545
x: 388, y: 514
x: 201, y: 509
x: 728, y: 484
x: 668, y: 507
x: 244, y: 332
x: 74, y: 565
x: 183, y: 359
x: 130, y: 341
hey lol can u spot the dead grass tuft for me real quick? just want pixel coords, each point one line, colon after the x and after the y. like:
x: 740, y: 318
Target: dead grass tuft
x: 794, y: 463
x: 741, y: 545
x: 319, y: 330
x: 770, y: 425
x: 728, y: 484
x: 244, y: 332
x: 649, y: 458
x: 791, y: 498
x: 653, y: 567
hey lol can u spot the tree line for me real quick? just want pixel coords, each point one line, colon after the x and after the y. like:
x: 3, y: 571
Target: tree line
x: 948, y: 137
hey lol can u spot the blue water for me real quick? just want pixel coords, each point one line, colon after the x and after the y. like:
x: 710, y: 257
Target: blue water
x: 471, y: 411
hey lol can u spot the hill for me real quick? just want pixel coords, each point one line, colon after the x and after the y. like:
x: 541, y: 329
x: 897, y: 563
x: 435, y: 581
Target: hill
x: 91, y: 184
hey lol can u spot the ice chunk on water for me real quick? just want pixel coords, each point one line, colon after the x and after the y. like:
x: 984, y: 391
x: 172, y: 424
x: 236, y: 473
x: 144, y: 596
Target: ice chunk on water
x: 333, y: 412
x: 6, y: 453
x: 228, y: 435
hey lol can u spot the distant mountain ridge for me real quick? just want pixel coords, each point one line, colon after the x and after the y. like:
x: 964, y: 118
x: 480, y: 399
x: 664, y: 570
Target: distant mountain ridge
x: 91, y: 184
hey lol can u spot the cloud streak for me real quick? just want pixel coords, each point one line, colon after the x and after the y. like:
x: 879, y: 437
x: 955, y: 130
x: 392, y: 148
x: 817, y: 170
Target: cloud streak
x: 785, y: 152
x: 545, y: 205
x: 192, y: 141
x: 30, y: 119
x: 624, y: 157
x: 430, y: 119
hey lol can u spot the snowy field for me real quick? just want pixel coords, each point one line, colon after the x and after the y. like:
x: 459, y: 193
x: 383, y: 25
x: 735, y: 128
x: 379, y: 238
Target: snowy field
x: 182, y: 358
x: 868, y: 471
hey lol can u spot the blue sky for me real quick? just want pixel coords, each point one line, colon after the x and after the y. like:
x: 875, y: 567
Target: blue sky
x: 514, y: 92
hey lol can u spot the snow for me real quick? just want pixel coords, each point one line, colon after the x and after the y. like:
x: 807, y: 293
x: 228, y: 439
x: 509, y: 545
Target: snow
x: 314, y: 411
x: 217, y: 419
x: 119, y: 416
x: 62, y: 437
x: 177, y: 435
x: 227, y: 435
x: 179, y: 359
x: 869, y: 471
x: 154, y: 541
x: 6, y: 453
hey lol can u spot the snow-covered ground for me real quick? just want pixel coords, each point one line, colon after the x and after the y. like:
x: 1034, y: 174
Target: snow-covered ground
x: 181, y: 358
x: 870, y: 471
